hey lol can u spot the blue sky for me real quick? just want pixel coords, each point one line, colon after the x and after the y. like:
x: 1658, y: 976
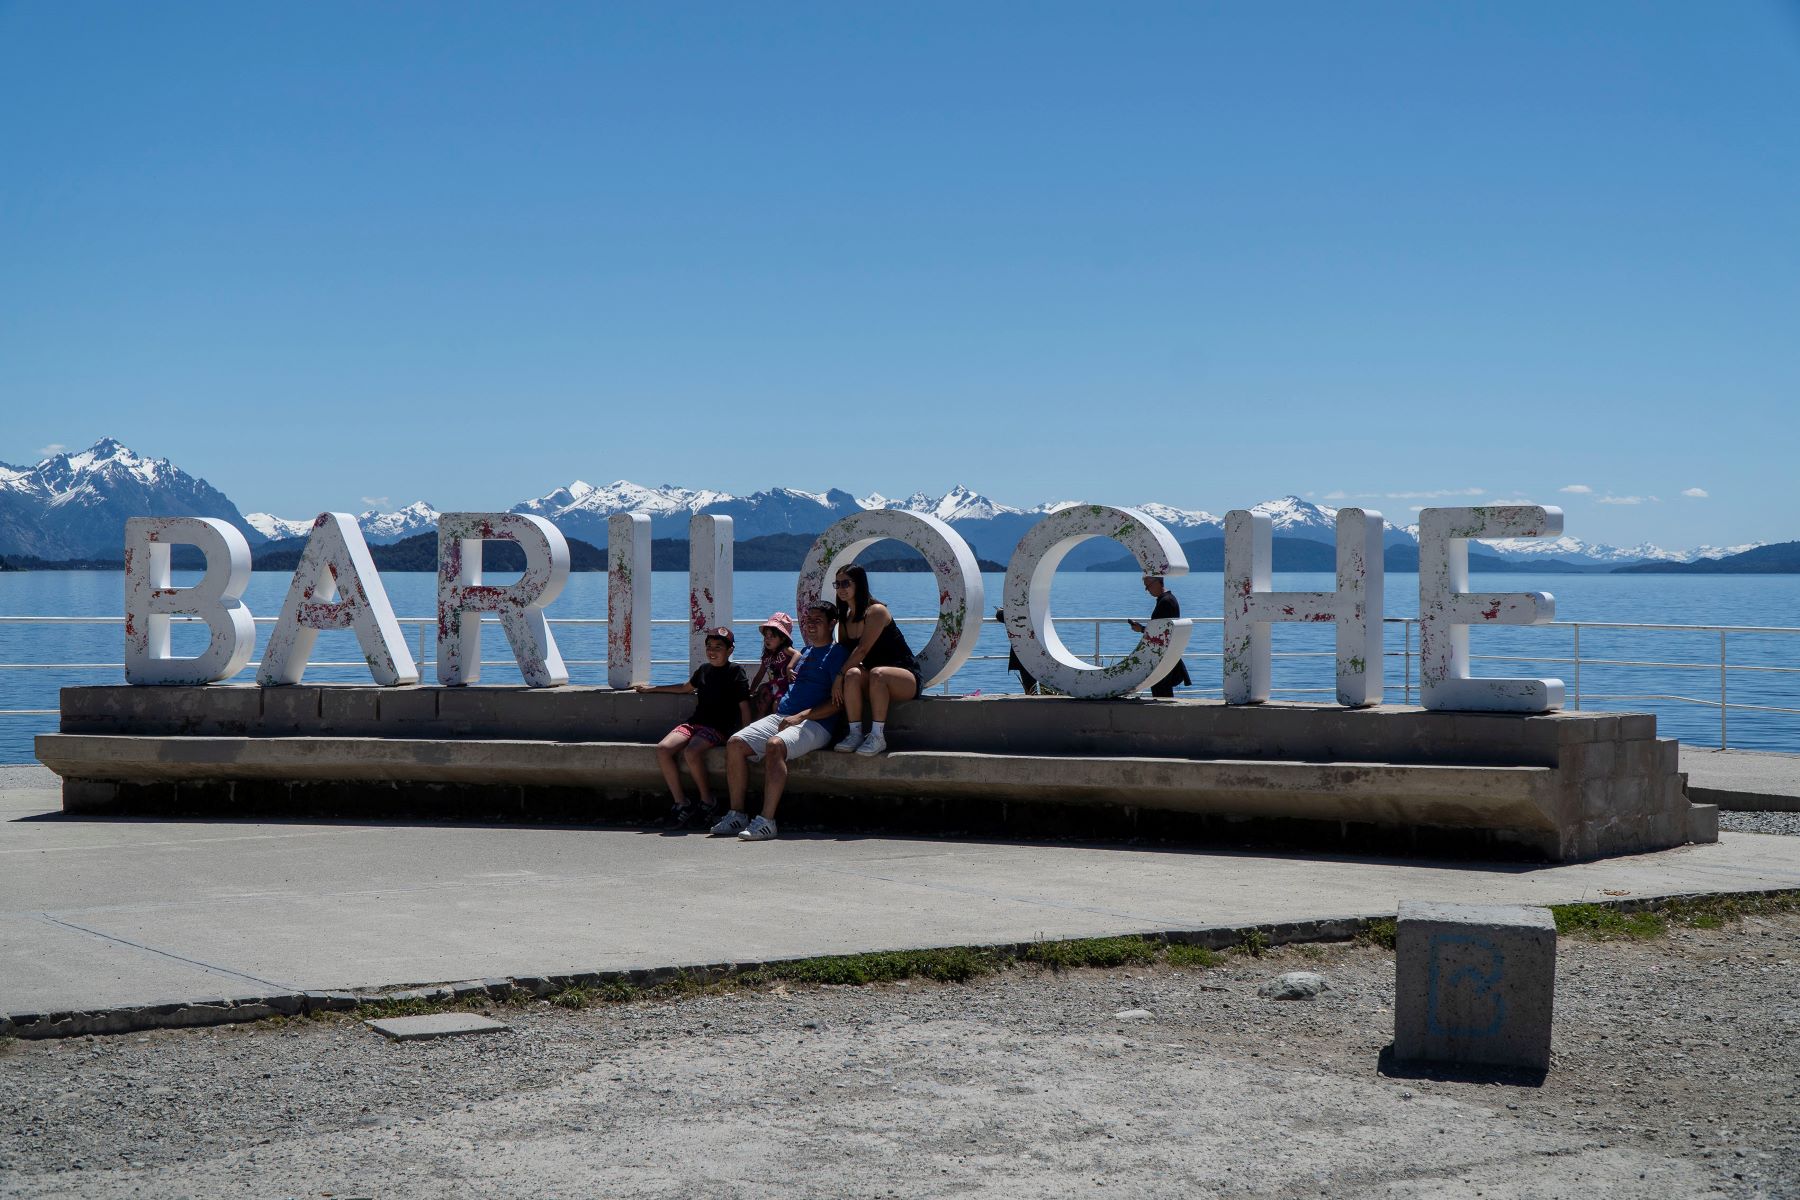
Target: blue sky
x: 1205, y: 254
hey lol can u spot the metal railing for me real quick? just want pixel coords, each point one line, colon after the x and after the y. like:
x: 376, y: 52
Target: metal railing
x: 1718, y: 668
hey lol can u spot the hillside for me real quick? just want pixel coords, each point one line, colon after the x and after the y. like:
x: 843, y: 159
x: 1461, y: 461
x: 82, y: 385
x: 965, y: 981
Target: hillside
x: 1779, y: 558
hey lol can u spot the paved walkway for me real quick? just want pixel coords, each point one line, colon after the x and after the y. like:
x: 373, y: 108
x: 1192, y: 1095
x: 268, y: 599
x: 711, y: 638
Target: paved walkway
x: 120, y: 912
x: 1745, y: 780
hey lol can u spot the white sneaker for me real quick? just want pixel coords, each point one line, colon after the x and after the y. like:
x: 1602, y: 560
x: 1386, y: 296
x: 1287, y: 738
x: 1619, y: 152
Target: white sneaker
x: 874, y: 744
x: 761, y: 830
x: 851, y: 741
x: 732, y: 822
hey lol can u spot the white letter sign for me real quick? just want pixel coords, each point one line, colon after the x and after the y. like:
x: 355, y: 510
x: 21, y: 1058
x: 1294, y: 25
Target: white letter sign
x: 709, y: 582
x: 336, y: 586
x: 959, y: 586
x: 1032, y: 569
x: 627, y: 599
x: 1251, y: 607
x: 1447, y: 608
x: 462, y: 597
x: 150, y: 601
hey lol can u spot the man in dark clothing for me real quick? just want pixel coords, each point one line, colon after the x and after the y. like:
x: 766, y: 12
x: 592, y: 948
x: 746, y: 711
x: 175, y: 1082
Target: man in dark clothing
x: 1027, y: 681
x: 1167, y: 608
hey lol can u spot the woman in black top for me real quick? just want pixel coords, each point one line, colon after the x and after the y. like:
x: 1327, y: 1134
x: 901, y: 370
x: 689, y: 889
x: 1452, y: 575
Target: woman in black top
x: 881, y: 669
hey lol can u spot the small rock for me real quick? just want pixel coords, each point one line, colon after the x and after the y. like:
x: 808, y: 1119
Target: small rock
x: 1295, y: 985
x: 1133, y: 1014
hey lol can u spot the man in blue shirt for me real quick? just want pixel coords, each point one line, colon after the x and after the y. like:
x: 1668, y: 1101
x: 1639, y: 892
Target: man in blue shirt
x: 805, y: 720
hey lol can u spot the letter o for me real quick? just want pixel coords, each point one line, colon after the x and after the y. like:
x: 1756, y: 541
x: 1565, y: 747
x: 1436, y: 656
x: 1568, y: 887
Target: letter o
x: 959, y: 585
x: 1031, y: 570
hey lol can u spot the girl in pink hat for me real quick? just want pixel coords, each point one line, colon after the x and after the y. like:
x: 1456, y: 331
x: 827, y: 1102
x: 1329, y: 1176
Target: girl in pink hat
x: 779, y: 659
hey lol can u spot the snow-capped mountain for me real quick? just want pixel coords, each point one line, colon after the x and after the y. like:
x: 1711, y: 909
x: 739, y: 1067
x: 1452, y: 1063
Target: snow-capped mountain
x: 581, y: 509
x: 957, y: 504
x: 1699, y: 552
x: 385, y: 527
x: 1181, y: 518
x: 277, y: 528
x: 621, y: 495
x: 378, y: 528
x: 1574, y: 550
x: 1294, y: 517
x: 74, y: 505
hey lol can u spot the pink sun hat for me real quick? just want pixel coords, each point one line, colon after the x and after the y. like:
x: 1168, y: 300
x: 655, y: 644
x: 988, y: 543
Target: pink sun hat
x: 781, y: 623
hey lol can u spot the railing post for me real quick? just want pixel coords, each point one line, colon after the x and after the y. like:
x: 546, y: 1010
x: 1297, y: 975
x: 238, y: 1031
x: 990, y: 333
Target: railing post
x: 422, y: 628
x: 1406, y: 658
x: 1096, y: 641
x: 1577, y: 666
x: 1722, y: 738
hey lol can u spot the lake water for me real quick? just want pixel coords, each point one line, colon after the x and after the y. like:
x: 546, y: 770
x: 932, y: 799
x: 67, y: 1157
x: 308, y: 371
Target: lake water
x: 1759, y: 662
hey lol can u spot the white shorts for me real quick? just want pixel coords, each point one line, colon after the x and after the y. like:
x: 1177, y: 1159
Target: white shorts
x: 801, y: 740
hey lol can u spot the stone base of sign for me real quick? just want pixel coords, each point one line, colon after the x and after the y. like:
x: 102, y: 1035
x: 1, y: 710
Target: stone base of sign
x: 1561, y: 786
x: 1476, y: 985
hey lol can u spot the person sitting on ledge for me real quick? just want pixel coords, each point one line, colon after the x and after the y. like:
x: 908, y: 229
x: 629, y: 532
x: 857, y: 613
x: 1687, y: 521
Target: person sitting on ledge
x: 800, y: 724
x: 779, y: 658
x: 724, y: 706
x: 1167, y: 609
x: 880, y: 670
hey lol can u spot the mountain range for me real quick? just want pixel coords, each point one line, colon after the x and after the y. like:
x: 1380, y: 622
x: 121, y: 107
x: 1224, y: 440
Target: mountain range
x: 74, y: 505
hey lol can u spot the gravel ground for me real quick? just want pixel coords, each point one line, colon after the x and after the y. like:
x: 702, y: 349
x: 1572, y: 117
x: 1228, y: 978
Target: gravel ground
x: 1676, y: 1073
x: 1761, y: 822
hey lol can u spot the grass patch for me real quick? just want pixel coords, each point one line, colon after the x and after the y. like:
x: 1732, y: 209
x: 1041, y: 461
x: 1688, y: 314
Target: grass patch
x: 954, y: 965
x: 1183, y: 955
x: 1378, y: 933
x: 1092, y: 952
x: 1605, y: 923
x: 1254, y: 944
x: 382, y: 1009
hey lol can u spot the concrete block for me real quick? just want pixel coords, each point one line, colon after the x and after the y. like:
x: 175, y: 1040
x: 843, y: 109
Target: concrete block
x: 89, y: 795
x: 1575, y: 727
x: 437, y: 1025
x: 327, y: 1001
x: 1703, y: 823
x: 349, y: 711
x: 1631, y: 795
x: 1636, y: 726
x: 1639, y: 757
x: 1476, y: 984
x: 1668, y: 756
x: 292, y: 709
x: 407, y: 708
x: 472, y: 710
x: 1601, y: 759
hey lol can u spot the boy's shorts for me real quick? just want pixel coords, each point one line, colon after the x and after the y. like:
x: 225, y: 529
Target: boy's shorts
x: 801, y: 740
x: 706, y: 735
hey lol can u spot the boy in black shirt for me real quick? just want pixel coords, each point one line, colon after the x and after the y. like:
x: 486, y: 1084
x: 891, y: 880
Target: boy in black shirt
x: 722, y: 709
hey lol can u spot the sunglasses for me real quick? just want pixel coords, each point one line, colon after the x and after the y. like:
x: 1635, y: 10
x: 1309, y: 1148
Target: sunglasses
x: 842, y: 583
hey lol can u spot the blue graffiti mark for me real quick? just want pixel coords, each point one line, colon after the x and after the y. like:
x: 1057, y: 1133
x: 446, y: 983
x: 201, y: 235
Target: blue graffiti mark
x: 1482, y: 982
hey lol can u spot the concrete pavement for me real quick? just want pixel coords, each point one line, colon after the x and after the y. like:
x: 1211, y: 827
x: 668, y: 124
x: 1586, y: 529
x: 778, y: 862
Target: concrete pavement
x: 102, y: 914
x: 1742, y: 780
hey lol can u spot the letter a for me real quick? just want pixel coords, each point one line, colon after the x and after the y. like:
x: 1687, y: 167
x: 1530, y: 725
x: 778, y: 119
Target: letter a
x: 336, y: 586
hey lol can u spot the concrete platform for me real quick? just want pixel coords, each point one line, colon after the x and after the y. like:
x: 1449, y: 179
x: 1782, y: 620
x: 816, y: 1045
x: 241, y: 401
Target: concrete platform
x: 102, y: 914
x: 1742, y: 780
x: 1557, y: 786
